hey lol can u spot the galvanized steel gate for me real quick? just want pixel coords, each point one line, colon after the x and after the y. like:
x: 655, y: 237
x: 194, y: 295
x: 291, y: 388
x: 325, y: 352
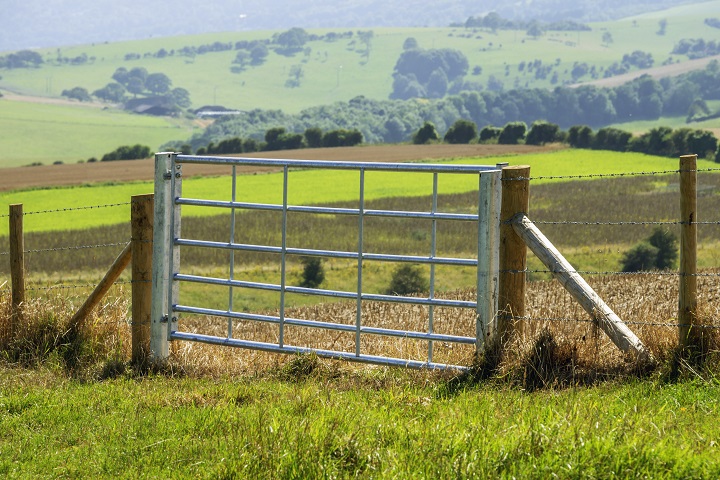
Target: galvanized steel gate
x: 168, y: 274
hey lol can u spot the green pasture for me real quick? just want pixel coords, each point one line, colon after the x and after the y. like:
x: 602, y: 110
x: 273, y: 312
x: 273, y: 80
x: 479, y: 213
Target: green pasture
x: 36, y: 132
x: 331, y: 422
x: 308, y: 187
x: 332, y: 71
x: 339, y: 71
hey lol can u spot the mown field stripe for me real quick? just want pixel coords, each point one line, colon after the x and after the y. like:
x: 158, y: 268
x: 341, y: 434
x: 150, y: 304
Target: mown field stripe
x: 314, y: 187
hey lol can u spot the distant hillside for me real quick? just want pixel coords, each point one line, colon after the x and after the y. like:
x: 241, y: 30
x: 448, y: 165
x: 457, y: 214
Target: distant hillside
x: 52, y: 23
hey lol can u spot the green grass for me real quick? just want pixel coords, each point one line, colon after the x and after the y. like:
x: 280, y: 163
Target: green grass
x: 336, y: 71
x: 310, y: 187
x: 34, y: 132
x: 377, y: 423
x: 672, y: 122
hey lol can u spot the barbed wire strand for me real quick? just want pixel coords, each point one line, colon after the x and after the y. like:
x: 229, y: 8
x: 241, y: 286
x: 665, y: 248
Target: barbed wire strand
x: 590, y: 272
x: 607, y: 175
x: 63, y: 249
x: 71, y: 209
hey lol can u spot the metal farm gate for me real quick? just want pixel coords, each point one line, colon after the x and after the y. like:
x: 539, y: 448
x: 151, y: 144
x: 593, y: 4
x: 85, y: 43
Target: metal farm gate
x: 168, y: 274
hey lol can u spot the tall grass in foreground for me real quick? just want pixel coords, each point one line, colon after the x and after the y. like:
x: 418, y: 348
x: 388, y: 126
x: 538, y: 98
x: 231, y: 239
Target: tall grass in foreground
x: 558, y: 346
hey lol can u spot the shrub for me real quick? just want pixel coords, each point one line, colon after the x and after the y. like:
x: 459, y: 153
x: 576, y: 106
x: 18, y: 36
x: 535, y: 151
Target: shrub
x: 313, y: 137
x: 541, y: 133
x: 512, y: 133
x: 342, y: 138
x: 580, y: 136
x: 639, y: 258
x: 425, y: 134
x: 125, y: 152
x: 489, y: 133
x: 407, y: 279
x: 609, y: 138
x: 666, y: 243
x: 462, y: 131
x: 313, y: 273
x: 658, y: 251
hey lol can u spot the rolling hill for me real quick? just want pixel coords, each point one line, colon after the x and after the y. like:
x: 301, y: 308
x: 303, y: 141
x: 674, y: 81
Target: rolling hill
x: 333, y: 66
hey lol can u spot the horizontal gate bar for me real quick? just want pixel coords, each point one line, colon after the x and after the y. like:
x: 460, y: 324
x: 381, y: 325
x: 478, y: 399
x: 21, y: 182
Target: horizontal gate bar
x: 337, y: 165
x: 468, y: 262
x: 341, y: 327
x: 438, y: 302
x: 328, y: 210
x: 269, y: 347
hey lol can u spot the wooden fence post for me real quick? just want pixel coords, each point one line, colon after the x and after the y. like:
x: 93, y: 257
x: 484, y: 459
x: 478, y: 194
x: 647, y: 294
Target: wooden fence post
x: 17, y: 266
x: 689, y: 335
x: 142, y: 215
x: 118, y: 266
x: 513, y: 252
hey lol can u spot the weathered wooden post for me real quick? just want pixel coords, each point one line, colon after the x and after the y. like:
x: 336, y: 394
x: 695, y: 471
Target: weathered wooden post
x: 142, y: 215
x: 513, y: 252
x: 561, y: 269
x: 690, y: 335
x: 17, y: 266
x: 116, y: 269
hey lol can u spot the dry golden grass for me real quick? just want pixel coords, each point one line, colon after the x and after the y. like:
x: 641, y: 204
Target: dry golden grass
x: 557, y: 345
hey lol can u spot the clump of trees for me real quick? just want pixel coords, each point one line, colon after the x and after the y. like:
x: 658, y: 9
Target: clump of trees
x: 427, y: 73
x: 427, y: 133
x: 697, y: 47
x: 407, y: 279
x: 138, y: 81
x: 21, y: 59
x: 77, y: 93
x: 127, y: 152
x: 278, y: 138
x: 658, y: 252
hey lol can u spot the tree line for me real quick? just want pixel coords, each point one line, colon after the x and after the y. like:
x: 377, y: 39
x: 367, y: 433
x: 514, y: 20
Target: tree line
x: 393, y: 121
x: 278, y: 138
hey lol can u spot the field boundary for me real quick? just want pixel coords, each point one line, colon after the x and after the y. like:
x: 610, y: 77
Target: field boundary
x: 519, y: 318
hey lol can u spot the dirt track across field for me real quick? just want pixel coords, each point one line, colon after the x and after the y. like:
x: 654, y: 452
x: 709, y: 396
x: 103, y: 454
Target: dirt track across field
x: 672, y: 70
x: 123, y: 171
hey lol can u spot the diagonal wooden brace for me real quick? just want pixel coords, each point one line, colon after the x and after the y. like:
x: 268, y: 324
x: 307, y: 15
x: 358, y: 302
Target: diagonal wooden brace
x: 561, y: 269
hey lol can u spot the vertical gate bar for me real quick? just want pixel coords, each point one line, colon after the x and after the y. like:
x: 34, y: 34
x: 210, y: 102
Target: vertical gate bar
x: 488, y: 255
x: 161, y: 234
x: 433, y: 252
x: 232, y: 252
x: 361, y: 212
x: 281, y: 340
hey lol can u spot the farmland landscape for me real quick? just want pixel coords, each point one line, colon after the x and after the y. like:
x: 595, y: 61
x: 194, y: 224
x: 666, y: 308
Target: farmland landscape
x: 559, y: 400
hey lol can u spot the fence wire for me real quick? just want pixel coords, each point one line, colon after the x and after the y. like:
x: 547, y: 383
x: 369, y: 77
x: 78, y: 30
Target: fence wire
x: 608, y: 175
x: 71, y: 209
x: 527, y: 318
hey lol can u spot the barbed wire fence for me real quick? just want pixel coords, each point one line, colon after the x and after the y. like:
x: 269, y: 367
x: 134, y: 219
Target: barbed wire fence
x: 637, y: 315
x: 654, y: 310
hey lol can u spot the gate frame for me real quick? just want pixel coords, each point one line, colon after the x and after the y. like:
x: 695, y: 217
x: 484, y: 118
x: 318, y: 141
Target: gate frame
x: 166, y: 258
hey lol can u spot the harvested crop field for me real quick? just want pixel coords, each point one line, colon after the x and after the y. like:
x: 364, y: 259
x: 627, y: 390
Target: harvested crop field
x: 125, y: 171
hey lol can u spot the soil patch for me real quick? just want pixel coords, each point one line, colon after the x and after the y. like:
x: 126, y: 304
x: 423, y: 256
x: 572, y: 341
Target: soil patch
x: 17, y: 178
